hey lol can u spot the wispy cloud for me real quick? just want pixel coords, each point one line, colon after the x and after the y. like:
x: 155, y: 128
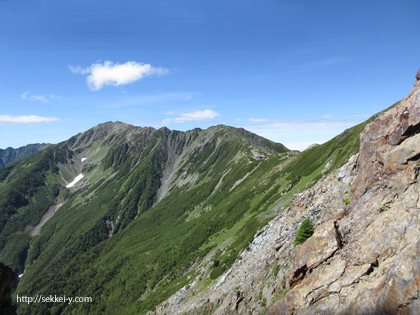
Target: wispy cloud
x: 30, y: 119
x: 299, y: 133
x: 192, y: 116
x: 361, y: 115
x: 258, y: 119
x: 30, y: 97
x: 116, y: 74
x: 156, y: 99
x: 326, y: 116
x: 322, y: 63
x: 301, y: 124
x: 55, y: 96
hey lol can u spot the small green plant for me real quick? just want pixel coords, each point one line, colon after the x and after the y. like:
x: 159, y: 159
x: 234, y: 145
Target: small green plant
x: 280, y: 295
x: 264, y: 302
x: 260, y: 295
x: 305, y: 231
x: 346, y: 201
x: 383, y: 208
x: 276, y: 269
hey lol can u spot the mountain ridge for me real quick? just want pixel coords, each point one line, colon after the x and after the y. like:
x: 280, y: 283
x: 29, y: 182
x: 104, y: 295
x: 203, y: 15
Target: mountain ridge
x: 10, y: 155
x: 144, y: 151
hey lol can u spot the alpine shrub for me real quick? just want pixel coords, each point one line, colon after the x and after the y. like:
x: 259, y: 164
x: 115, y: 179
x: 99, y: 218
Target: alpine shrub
x: 305, y: 231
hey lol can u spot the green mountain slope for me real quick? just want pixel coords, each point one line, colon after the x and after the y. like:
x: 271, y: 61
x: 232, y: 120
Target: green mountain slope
x: 10, y: 155
x: 151, y: 204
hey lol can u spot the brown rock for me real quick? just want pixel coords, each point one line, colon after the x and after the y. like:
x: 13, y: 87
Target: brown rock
x: 398, y: 157
x: 353, y: 274
x: 318, y: 248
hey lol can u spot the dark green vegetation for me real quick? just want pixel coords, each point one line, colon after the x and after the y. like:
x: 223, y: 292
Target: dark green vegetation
x: 151, y: 205
x: 11, y: 155
x: 7, y: 276
x: 304, y: 232
x: 25, y: 196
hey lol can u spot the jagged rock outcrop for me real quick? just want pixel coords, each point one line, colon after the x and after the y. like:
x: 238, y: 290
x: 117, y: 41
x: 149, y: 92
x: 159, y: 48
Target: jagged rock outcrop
x: 7, y: 276
x: 376, y: 267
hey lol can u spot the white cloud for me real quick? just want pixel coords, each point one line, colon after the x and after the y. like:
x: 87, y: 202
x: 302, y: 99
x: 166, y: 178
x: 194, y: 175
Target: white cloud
x: 326, y: 116
x: 362, y: 115
x: 28, y: 96
x: 30, y: 119
x: 307, y: 125
x: 110, y: 73
x: 192, y: 116
x: 303, y: 145
x: 258, y: 119
x: 55, y: 97
x: 299, y: 133
x: 322, y: 63
x: 79, y: 70
x: 151, y: 100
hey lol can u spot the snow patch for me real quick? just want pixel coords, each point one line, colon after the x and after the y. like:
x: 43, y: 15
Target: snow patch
x: 78, y: 177
x: 83, y: 159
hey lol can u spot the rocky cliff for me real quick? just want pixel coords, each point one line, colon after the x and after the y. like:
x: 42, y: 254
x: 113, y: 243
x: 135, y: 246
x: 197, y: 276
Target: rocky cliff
x: 363, y: 257
x: 366, y: 260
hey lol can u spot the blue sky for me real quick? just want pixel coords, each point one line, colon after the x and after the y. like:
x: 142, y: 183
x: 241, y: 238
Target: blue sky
x: 296, y: 72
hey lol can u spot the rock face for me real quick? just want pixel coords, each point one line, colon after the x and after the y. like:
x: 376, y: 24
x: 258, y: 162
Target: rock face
x: 7, y: 276
x: 371, y: 265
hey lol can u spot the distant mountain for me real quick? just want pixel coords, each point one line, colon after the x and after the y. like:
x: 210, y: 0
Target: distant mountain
x: 10, y: 155
x: 126, y: 215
